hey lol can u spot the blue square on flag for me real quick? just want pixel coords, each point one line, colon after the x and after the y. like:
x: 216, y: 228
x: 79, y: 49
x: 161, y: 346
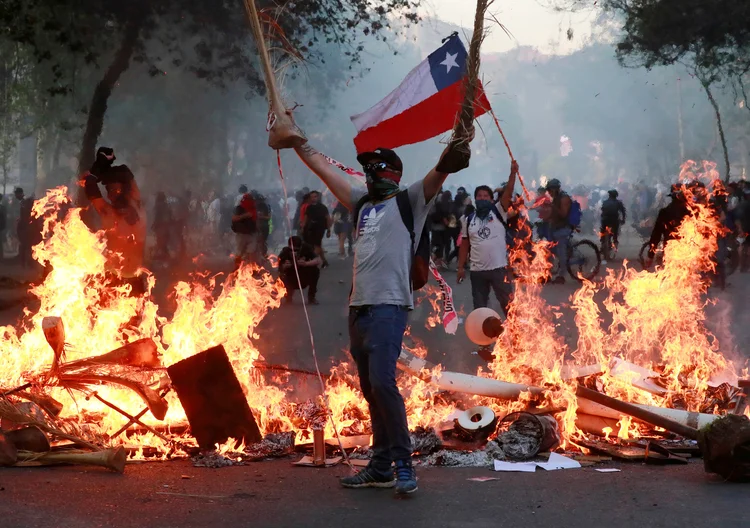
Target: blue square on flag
x: 448, y: 63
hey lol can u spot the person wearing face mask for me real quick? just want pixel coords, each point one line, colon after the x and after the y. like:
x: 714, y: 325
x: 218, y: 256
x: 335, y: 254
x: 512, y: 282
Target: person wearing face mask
x: 123, y: 217
x: 483, y: 244
x: 387, y: 224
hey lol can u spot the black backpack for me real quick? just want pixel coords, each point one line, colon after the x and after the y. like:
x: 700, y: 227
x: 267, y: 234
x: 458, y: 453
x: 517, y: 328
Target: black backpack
x: 420, y: 263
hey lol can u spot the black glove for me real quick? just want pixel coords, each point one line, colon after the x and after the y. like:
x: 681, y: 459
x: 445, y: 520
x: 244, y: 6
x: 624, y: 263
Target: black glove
x: 455, y: 158
x: 105, y: 156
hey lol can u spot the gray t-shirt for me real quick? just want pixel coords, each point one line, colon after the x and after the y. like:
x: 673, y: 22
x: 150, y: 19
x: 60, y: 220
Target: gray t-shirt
x: 382, y: 249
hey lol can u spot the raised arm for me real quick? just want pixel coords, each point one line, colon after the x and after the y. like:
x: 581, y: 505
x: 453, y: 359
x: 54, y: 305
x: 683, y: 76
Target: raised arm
x: 507, y: 196
x: 432, y: 183
x: 90, y: 185
x: 338, y: 184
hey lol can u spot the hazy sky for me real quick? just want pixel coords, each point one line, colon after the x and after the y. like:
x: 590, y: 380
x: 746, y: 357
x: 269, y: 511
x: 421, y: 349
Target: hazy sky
x: 529, y: 22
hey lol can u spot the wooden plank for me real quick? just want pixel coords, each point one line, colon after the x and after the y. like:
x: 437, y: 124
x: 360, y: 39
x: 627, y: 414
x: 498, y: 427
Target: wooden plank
x: 213, y: 399
x: 615, y: 451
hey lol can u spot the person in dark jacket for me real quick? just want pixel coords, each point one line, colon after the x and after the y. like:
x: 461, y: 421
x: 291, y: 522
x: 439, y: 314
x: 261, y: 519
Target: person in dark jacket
x: 613, y: 216
x: 316, y: 223
x: 668, y: 220
x: 308, y: 267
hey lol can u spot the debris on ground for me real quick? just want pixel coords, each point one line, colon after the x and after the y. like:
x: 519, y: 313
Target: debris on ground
x: 522, y: 435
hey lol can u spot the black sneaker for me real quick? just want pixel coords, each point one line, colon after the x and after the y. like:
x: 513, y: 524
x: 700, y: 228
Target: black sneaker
x: 313, y: 300
x: 406, y: 477
x: 369, y: 478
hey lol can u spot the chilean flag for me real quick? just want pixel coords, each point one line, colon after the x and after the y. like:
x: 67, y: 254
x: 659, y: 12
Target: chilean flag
x: 425, y: 104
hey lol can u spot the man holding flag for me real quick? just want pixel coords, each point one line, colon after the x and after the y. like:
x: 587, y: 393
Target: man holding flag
x: 387, y: 224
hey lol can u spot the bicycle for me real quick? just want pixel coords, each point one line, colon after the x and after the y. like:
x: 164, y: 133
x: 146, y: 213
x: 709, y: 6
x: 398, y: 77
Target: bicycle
x: 731, y: 261
x: 584, y: 259
x: 609, y: 249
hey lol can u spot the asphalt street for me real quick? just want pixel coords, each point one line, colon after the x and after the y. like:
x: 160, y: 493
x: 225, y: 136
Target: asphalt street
x: 276, y: 494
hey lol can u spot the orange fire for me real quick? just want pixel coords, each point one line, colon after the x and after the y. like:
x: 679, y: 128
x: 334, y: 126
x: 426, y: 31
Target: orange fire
x: 657, y: 349
x: 658, y: 325
x: 99, y: 317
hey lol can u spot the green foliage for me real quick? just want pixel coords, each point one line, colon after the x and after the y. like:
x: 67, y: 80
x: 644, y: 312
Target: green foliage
x: 713, y: 35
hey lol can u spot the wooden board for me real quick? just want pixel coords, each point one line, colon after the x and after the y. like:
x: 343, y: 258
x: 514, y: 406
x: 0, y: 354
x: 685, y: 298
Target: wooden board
x: 615, y: 451
x: 213, y: 399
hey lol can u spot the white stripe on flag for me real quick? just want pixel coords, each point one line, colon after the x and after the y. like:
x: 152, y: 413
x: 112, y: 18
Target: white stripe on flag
x: 418, y: 86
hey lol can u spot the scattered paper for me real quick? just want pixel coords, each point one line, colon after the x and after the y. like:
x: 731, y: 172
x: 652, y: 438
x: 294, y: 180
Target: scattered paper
x: 607, y: 470
x: 557, y: 461
x: 482, y: 479
x: 524, y: 467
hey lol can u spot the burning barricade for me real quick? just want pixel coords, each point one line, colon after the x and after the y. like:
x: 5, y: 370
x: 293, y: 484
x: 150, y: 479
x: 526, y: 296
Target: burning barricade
x: 104, y: 375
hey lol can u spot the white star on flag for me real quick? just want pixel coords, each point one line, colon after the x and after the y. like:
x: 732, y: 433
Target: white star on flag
x: 450, y: 61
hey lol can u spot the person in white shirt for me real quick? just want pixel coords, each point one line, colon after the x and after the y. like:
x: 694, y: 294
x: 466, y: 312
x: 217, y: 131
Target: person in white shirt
x: 484, y: 245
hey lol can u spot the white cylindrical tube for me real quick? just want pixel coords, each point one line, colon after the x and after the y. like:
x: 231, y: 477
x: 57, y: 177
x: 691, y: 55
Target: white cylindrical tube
x: 691, y: 419
x: 466, y: 383
x: 588, y: 423
x: 459, y: 382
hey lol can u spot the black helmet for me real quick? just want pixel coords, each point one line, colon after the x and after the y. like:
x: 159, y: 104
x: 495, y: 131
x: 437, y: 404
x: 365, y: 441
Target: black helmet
x: 613, y: 193
x: 554, y: 183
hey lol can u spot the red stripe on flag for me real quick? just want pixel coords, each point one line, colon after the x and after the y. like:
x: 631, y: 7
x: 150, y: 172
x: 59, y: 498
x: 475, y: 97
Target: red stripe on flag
x: 425, y: 120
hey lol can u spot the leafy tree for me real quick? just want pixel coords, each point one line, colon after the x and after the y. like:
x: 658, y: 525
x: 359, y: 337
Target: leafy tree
x: 208, y: 39
x: 711, y: 38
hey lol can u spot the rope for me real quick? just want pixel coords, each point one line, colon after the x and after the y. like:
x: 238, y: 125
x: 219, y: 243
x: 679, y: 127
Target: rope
x: 307, y: 315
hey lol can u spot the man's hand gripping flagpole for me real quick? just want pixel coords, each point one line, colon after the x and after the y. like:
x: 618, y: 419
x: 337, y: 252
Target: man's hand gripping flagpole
x: 283, y: 132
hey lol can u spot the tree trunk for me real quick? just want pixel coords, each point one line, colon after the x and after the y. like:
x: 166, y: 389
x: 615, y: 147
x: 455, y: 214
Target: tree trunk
x: 707, y: 87
x: 679, y: 121
x: 40, y: 184
x: 98, y: 107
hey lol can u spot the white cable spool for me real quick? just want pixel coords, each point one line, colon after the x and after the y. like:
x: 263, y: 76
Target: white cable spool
x: 485, y: 414
x: 476, y: 327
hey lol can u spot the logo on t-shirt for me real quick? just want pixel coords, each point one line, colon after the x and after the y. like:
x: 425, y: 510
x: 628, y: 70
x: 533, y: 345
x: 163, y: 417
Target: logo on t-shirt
x: 370, y: 218
x: 484, y: 232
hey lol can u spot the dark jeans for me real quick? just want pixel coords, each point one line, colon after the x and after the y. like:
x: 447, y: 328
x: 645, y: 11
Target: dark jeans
x: 308, y: 278
x: 614, y: 229
x: 314, y: 236
x: 375, y: 334
x: 499, y: 280
x: 440, y: 243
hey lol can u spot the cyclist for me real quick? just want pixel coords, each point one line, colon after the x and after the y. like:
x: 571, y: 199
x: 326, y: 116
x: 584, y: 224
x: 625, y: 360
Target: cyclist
x: 668, y: 220
x: 560, y: 228
x: 613, y: 216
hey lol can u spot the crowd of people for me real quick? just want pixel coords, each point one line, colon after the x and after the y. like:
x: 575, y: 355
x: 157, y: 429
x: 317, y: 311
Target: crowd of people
x: 19, y: 230
x: 386, y: 229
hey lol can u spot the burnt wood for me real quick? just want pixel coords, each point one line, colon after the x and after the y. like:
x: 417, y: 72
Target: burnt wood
x: 212, y: 397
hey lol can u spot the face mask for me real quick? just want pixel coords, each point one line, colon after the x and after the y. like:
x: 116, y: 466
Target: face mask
x: 380, y: 188
x: 483, y: 208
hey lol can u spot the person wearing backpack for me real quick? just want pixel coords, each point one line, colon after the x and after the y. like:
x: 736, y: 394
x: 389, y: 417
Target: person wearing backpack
x: 484, y: 245
x: 391, y: 258
x: 560, y: 225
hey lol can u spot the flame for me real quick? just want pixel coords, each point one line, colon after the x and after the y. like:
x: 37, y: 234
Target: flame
x: 100, y: 315
x: 656, y: 350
